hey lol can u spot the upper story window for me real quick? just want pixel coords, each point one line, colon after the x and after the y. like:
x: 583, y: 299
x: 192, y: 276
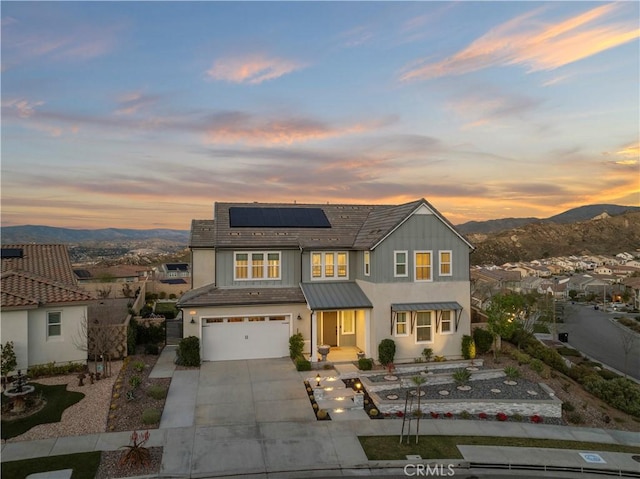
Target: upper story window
x: 367, y: 263
x: 256, y: 265
x: 329, y: 265
x: 400, y: 263
x: 445, y: 263
x: 54, y: 323
x: 423, y: 266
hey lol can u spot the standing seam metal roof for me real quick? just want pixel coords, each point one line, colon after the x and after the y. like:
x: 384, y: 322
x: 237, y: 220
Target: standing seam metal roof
x: 334, y: 295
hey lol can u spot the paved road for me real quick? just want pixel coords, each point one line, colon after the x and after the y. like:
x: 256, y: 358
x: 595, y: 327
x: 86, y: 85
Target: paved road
x: 593, y: 333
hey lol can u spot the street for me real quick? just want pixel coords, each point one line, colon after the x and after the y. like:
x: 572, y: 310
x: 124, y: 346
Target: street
x: 594, y: 333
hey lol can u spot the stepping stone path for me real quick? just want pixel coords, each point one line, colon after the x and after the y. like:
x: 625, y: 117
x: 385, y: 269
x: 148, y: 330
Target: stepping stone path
x: 496, y: 391
x: 392, y: 396
x: 391, y: 378
x: 444, y: 392
x: 464, y: 388
x: 532, y: 393
x: 510, y: 383
x: 422, y: 393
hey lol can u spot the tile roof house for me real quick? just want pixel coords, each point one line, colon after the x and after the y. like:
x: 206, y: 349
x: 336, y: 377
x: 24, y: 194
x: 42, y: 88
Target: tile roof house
x: 42, y: 307
x: 343, y: 275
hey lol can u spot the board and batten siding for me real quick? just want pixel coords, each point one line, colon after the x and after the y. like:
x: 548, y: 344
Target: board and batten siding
x: 421, y: 232
x: 289, y: 269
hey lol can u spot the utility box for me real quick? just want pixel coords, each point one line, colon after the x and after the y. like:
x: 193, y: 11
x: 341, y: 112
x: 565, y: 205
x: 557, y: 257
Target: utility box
x: 563, y: 337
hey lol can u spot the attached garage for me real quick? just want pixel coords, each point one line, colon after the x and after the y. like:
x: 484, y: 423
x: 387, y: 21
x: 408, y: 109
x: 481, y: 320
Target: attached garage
x: 245, y: 337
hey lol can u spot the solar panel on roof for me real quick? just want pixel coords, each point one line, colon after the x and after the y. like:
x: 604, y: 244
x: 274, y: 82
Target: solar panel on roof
x: 256, y: 217
x: 11, y: 253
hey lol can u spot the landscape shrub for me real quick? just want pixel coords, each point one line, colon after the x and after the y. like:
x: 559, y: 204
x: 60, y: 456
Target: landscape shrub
x: 537, y: 366
x: 621, y: 393
x: 151, y: 333
x: 522, y: 338
x: 135, y: 381
x: 386, y: 351
x: 152, y: 349
x: 468, y: 347
x: 461, y: 376
x: 365, y: 364
x: 303, y: 364
x: 157, y: 391
x: 568, y: 406
x: 522, y: 358
x: 296, y: 346
x: 427, y: 354
x: 512, y: 372
x: 151, y: 416
x: 607, y: 374
x: 53, y: 369
x: 188, y: 352
x: 132, y: 335
x: 483, y: 340
x: 138, y: 366
x: 579, y: 372
x: 575, y: 418
x: 566, y: 351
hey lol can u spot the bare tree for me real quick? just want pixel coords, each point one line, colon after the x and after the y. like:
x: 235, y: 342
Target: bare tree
x: 101, y: 342
x: 628, y: 339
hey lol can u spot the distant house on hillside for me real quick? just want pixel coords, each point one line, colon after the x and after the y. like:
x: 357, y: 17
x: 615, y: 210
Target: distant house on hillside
x: 42, y: 305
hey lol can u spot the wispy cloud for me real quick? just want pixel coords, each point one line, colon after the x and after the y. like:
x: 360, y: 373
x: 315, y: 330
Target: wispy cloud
x: 629, y: 155
x: 356, y: 36
x: 526, y: 41
x: 252, y: 69
x: 131, y: 103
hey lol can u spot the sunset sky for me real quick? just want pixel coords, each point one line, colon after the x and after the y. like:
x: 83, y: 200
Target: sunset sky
x: 143, y: 114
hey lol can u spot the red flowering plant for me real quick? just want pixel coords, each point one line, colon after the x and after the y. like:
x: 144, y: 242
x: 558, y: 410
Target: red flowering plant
x: 482, y: 415
x: 449, y: 415
x: 536, y: 419
x: 400, y: 414
x: 435, y: 415
x: 501, y: 416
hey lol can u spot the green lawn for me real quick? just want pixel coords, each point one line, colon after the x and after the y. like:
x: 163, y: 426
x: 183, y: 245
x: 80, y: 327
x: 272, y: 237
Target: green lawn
x: 58, y: 399
x: 84, y: 465
x: 383, y: 448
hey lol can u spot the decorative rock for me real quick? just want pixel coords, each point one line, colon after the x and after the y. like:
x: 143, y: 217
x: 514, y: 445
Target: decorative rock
x: 496, y: 391
x: 532, y: 393
x: 392, y: 396
x: 444, y: 392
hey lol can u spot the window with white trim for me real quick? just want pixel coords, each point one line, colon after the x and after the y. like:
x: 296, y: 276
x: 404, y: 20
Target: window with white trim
x: 423, y: 266
x: 348, y: 322
x: 401, y: 324
x: 424, y: 328
x: 400, y: 264
x: 367, y: 263
x: 445, y: 263
x: 330, y: 265
x: 258, y: 265
x: 445, y: 322
x: 54, y: 323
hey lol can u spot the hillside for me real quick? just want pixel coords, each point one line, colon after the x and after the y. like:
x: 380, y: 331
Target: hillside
x: 608, y: 235
x: 50, y: 234
x: 581, y: 213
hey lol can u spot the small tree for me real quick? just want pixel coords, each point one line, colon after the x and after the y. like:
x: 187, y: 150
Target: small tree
x: 9, y: 361
x: 503, y: 314
x: 628, y: 339
x: 386, y: 351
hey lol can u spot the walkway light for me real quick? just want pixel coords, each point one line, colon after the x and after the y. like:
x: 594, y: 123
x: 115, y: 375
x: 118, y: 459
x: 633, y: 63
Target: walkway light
x: 318, y: 380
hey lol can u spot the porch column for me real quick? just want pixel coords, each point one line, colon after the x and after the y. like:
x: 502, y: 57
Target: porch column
x: 314, y: 338
x: 367, y: 333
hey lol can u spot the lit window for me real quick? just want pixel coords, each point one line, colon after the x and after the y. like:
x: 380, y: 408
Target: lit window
x: 252, y: 265
x: 348, y: 322
x: 445, y: 322
x: 54, y: 323
x: 445, y: 263
x: 400, y: 263
x: 329, y: 265
x: 423, y: 327
x: 367, y: 263
x: 401, y: 324
x: 423, y: 266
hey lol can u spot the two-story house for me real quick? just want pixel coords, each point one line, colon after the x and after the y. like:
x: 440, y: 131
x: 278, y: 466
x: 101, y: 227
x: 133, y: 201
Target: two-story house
x: 343, y: 275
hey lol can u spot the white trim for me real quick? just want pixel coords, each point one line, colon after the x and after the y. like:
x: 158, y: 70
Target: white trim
x: 265, y: 266
x: 323, y: 264
x: 343, y: 330
x: 415, y: 266
x: 450, y: 321
x: 440, y: 263
x: 59, y: 323
x: 396, y: 264
x: 431, y: 325
x: 406, y: 325
x: 367, y: 263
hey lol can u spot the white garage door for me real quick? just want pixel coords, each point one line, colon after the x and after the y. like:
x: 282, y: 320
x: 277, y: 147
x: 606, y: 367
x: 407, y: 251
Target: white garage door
x: 255, y: 337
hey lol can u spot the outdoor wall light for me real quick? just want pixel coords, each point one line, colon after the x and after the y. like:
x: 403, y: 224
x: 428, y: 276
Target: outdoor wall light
x: 193, y: 313
x: 193, y: 321
x: 318, y: 380
x: 299, y: 317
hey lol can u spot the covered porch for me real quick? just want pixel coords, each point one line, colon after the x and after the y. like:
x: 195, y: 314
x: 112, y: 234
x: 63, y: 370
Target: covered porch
x: 340, y: 318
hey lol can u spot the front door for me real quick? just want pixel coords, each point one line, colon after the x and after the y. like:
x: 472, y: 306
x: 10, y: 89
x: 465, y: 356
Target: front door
x: 330, y: 328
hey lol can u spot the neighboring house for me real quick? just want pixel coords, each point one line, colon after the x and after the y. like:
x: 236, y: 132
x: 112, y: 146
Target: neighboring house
x: 174, y: 270
x: 42, y: 306
x: 342, y: 275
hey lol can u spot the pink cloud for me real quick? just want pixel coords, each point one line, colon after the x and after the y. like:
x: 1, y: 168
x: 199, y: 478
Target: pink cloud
x: 526, y: 41
x: 253, y: 69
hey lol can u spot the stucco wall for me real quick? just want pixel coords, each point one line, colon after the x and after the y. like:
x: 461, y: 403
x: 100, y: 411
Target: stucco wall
x: 15, y: 327
x: 64, y: 348
x: 203, y: 269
